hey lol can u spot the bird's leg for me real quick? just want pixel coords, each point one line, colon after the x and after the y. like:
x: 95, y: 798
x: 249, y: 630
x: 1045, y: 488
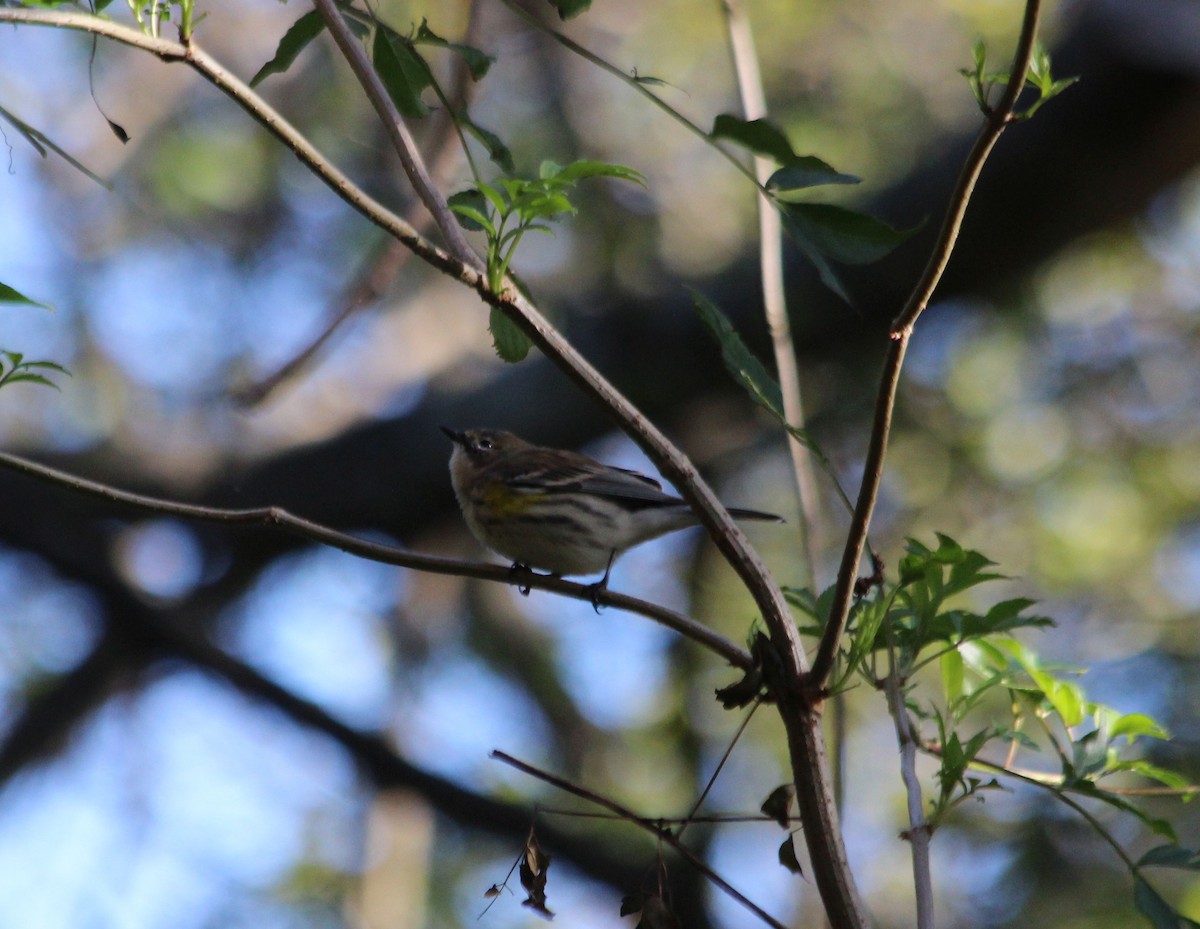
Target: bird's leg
x: 518, y: 568
x: 602, y: 585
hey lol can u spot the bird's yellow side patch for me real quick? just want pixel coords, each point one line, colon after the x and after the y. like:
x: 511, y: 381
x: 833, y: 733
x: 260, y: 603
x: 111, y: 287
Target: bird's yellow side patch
x: 502, y: 501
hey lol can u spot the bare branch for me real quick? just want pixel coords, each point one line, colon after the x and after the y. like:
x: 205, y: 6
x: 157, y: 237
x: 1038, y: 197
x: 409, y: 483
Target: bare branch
x: 277, y: 518
x: 653, y: 826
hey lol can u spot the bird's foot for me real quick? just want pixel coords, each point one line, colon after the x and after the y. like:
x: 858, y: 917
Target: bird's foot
x: 601, y: 585
x: 521, y: 569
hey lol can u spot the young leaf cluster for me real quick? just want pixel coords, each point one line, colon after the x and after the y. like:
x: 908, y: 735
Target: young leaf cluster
x: 14, y: 369
x: 509, y: 207
x: 996, y: 693
x: 1038, y: 78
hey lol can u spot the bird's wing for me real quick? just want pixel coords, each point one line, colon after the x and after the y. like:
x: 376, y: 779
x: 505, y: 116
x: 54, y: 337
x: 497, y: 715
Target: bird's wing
x: 588, y: 476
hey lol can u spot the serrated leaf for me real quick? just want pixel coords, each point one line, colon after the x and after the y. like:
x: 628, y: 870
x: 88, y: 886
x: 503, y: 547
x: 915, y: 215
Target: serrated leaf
x: 760, y: 136
x: 294, y: 41
x: 787, y: 856
x: 804, y: 172
x: 403, y: 71
x: 11, y: 295
x: 478, y: 62
x: 778, y: 804
x: 742, y: 363
x: 512, y: 345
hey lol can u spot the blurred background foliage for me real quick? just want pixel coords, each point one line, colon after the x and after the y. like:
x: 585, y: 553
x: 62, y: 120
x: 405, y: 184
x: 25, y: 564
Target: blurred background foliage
x: 196, y: 719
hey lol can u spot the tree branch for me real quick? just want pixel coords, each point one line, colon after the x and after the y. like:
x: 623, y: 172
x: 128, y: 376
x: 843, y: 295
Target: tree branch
x: 997, y: 120
x: 278, y: 518
x: 401, y: 138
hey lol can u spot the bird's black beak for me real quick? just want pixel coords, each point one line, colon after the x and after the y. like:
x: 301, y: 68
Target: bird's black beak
x: 458, y: 438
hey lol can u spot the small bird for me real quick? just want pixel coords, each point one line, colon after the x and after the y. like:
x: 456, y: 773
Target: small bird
x: 559, y: 510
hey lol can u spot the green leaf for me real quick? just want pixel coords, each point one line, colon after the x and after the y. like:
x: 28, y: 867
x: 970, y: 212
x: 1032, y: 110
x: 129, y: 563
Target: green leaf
x: 512, y: 345
x: 1164, y: 776
x: 294, y: 41
x: 403, y: 71
x: 42, y: 143
x: 1137, y: 725
x: 951, y: 664
x: 497, y: 151
x: 1160, y: 913
x: 478, y: 62
x: 1171, y: 856
x: 568, y: 8
x: 10, y: 295
x: 842, y: 234
x: 742, y: 363
x: 578, y: 170
x: 470, y: 208
x: 761, y: 136
x: 33, y: 379
x: 804, y: 172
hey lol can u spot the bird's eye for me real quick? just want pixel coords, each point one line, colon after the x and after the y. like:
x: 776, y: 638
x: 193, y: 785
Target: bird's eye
x: 486, y: 444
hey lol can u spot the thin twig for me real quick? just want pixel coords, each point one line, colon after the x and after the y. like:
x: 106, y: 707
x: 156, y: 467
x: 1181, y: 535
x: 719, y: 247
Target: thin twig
x: 691, y: 816
x: 770, y: 252
x: 654, y: 827
x: 274, y: 517
x: 918, y: 828
x: 902, y: 329
x: 637, y: 83
x: 401, y: 138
